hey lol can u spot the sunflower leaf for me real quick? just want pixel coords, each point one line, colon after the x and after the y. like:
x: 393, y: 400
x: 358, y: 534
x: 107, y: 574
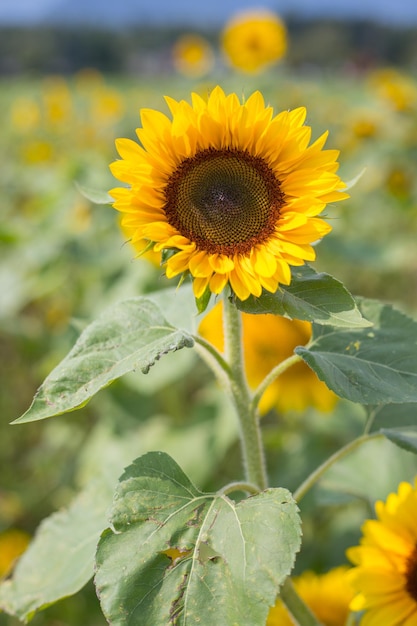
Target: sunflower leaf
x: 375, y: 365
x: 172, y: 549
x: 60, y: 559
x: 311, y: 296
x: 405, y: 438
x: 131, y: 335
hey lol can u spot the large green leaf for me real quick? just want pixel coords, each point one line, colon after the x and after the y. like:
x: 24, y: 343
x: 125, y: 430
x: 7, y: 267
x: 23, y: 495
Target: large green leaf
x: 375, y: 365
x: 312, y: 297
x: 405, y: 438
x: 177, y: 555
x: 389, y: 415
x: 129, y: 336
x: 60, y: 558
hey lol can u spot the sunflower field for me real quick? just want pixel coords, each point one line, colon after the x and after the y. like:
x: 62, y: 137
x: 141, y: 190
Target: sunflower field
x: 214, y: 386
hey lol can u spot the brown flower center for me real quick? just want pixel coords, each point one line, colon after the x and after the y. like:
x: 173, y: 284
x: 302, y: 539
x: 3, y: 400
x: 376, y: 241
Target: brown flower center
x: 226, y: 201
x: 411, y: 574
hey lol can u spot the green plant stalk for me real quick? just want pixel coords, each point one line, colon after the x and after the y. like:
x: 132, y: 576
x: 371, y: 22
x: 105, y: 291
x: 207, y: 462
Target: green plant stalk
x: 231, y: 371
x: 340, y: 454
x: 250, y: 432
x: 299, y: 611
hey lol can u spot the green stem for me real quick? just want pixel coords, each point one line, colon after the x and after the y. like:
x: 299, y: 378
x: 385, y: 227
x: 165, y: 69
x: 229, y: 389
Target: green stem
x: 251, y: 441
x: 318, y: 473
x: 213, y: 357
x: 272, y: 375
x: 370, y: 419
x: 238, y: 486
x: 299, y: 611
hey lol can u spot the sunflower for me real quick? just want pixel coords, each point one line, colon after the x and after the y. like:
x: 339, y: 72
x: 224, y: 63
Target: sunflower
x: 253, y: 40
x: 13, y: 542
x: 268, y: 340
x: 385, y: 576
x: 395, y: 87
x: 192, y: 55
x: 327, y: 595
x: 229, y: 193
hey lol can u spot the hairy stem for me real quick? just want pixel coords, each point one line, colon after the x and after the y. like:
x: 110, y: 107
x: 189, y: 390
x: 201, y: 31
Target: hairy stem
x: 250, y: 434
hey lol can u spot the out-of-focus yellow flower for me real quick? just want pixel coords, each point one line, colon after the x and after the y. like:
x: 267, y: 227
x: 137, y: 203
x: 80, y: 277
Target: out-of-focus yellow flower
x: 395, y: 87
x: 57, y: 313
x: 58, y: 104
x: 80, y: 218
x: 192, y: 55
x: 327, y: 595
x: 385, y: 576
x: 25, y: 115
x: 37, y: 151
x: 88, y: 79
x: 253, y: 40
x: 364, y: 126
x: 106, y: 106
x: 13, y: 543
x: 268, y: 340
x: 399, y: 182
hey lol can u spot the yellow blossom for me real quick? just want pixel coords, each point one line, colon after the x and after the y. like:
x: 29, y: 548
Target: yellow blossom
x: 232, y: 192
x: 253, y: 40
x: 327, y: 595
x: 385, y: 576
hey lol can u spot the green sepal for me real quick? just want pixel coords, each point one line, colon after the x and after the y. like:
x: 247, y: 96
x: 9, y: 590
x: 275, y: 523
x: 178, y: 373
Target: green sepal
x: 203, y: 302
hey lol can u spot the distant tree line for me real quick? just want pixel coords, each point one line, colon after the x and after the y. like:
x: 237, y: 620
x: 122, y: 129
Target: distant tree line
x: 322, y: 43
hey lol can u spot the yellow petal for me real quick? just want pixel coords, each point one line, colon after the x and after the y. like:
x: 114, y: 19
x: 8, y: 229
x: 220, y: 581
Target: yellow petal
x: 221, y: 263
x: 200, y: 265
x: 218, y: 282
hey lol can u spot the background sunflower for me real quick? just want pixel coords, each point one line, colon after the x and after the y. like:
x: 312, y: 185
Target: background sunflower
x: 253, y: 40
x: 267, y: 341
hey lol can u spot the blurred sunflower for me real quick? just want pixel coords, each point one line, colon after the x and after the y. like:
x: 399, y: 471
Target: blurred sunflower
x: 13, y: 542
x: 267, y: 341
x: 25, y: 115
x: 395, y: 87
x: 58, y: 105
x: 230, y: 191
x: 192, y: 55
x: 327, y: 595
x: 253, y: 40
x: 385, y: 576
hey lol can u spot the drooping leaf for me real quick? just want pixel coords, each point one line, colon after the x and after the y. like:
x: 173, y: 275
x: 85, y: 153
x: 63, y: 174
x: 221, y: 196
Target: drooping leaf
x: 311, y: 296
x: 405, y: 438
x: 60, y: 559
x: 375, y: 365
x: 177, y: 555
x: 132, y: 335
x: 96, y: 196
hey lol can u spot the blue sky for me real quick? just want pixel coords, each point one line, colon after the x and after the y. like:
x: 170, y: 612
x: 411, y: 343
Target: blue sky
x: 388, y: 11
